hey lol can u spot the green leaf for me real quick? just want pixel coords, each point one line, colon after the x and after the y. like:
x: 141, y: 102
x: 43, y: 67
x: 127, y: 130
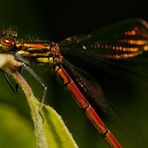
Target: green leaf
x: 50, y: 130
x: 15, y: 130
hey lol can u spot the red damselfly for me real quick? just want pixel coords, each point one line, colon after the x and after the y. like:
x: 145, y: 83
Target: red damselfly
x: 113, y: 45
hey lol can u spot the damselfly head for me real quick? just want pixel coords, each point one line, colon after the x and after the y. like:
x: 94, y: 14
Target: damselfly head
x: 8, y: 39
x: 9, y: 33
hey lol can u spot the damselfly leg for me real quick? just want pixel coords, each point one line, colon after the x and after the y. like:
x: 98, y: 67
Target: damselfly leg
x: 30, y: 70
x: 13, y: 87
x: 115, y: 46
x: 25, y: 66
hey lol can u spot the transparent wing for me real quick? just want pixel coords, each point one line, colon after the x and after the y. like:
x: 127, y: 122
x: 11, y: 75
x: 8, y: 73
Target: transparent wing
x: 120, y: 49
x: 92, y: 90
x: 119, y: 41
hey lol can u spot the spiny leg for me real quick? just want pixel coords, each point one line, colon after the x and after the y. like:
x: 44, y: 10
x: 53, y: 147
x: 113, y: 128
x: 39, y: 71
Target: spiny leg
x: 21, y: 59
x: 20, y: 70
x: 13, y: 88
x: 30, y: 70
x: 25, y: 65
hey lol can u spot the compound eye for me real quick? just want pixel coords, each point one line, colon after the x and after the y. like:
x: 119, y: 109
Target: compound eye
x: 7, y: 44
x: 9, y: 33
x: 14, y: 35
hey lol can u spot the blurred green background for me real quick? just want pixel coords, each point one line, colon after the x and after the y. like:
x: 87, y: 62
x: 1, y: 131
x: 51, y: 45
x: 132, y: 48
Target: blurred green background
x: 56, y: 20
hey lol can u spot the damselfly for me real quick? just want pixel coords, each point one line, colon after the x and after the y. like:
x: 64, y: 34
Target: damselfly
x: 110, y: 45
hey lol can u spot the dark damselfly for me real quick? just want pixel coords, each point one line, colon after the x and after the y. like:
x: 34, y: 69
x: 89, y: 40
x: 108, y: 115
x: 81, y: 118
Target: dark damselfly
x: 119, y: 42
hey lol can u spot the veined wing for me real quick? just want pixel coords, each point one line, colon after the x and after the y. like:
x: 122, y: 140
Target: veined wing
x: 120, y: 41
x: 89, y: 87
x: 92, y: 90
x: 115, y: 49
